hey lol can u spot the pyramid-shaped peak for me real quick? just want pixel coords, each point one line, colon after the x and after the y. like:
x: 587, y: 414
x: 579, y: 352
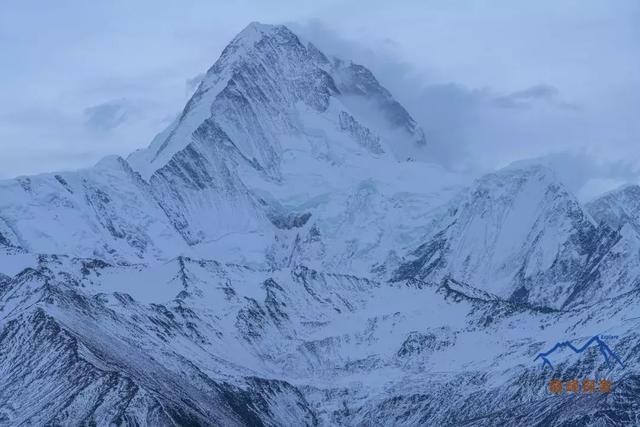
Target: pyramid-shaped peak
x: 265, y: 42
x: 256, y: 27
x: 518, y: 173
x: 263, y: 72
x: 626, y: 190
x: 256, y: 31
x: 625, y: 197
x: 618, y: 207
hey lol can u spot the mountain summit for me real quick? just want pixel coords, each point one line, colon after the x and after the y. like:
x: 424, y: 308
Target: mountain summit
x: 277, y: 84
x: 274, y: 125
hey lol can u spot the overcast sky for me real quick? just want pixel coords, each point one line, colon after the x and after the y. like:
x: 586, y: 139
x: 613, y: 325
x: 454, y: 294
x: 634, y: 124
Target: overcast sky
x: 490, y: 81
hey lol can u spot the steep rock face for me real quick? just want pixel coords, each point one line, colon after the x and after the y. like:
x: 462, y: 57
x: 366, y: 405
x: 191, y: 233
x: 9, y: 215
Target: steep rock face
x: 517, y: 233
x: 617, y: 208
x: 201, y: 193
x: 614, y: 268
x: 364, y: 95
x: 260, y: 91
x: 204, y: 343
x: 9, y: 242
x: 84, y: 392
x: 106, y: 212
x: 74, y: 355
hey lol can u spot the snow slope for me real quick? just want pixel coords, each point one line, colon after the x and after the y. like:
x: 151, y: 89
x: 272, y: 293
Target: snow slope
x: 518, y: 233
x: 200, y: 342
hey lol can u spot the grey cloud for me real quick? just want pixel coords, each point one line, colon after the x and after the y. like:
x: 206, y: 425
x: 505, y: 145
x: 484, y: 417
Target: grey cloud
x: 480, y: 129
x: 106, y: 116
x: 526, y: 98
x: 192, y: 83
x: 587, y: 177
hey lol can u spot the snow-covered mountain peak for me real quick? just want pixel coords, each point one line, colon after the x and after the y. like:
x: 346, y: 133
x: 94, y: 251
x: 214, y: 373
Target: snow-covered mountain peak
x: 275, y: 132
x: 264, y: 70
x: 285, y: 87
x: 522, y: 191
x: 517, y: 233
x: 253, y: 32
x: 618, y: 207
x: 504, y: 181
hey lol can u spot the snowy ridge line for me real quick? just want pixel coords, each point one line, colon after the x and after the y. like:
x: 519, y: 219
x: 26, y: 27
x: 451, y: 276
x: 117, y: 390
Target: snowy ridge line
x: 470, y: 293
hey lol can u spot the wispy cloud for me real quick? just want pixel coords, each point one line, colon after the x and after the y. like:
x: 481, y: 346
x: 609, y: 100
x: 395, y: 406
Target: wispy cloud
x: 106, y: 116
x: 528, y: 97
x: 192, y: 83
x: 482, y: 128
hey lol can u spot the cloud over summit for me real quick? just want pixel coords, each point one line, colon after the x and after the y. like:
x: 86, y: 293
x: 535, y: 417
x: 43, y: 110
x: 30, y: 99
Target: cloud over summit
x: 490, y: 84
